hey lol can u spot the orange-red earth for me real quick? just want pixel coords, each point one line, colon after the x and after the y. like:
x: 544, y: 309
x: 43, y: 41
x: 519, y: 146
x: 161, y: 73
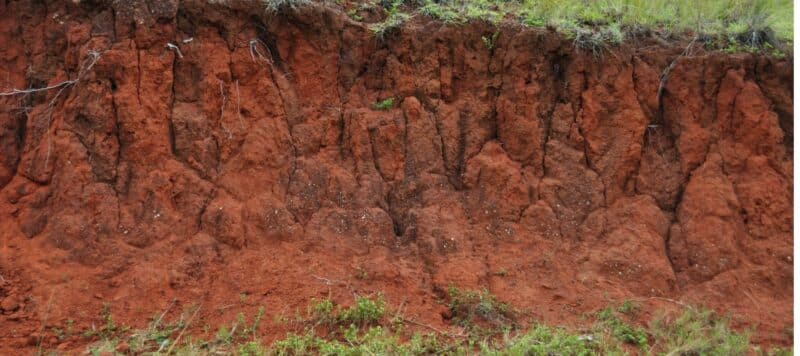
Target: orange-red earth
x: 214, y: 150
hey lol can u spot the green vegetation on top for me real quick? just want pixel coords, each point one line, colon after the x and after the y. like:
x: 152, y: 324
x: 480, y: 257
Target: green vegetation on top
x: 734, y: 25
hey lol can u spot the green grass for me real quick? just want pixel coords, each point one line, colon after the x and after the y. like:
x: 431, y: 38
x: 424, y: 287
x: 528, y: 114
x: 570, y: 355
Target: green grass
x: 362, y: 329
x: 544, y: 340
x: 609, y: 322
x: 698, y: 332
x: 365, y: 311
x: 280, y: 5
x: 763, y: 26
x: 600, y: 24
x: 394, y: 19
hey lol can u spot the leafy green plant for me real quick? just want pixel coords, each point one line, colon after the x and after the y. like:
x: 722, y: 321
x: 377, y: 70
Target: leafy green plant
x: 394, y: 18
x: 467, y: 307
x: 365, y: 311
x: 629, y: 307
x: 384, y: 104
x: 322, y: 311
x: 490, y: 41
x: 353, y: 14
x: 621, y: 330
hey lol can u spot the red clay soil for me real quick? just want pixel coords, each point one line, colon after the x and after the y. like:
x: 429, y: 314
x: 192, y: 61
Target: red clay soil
x: 250, y: 161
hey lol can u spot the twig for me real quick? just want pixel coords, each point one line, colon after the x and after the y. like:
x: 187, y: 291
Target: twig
x: 406, y: 320
x: 188, y: 322
x: 678, y: 302
x: 158, y: 321
x: 327, y: 281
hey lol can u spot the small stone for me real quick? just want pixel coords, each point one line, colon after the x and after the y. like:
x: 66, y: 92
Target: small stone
x: 122, y: 347
x: 9, y: 304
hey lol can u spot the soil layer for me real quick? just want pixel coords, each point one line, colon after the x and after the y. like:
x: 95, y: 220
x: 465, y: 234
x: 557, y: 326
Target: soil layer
x: 229, y: 158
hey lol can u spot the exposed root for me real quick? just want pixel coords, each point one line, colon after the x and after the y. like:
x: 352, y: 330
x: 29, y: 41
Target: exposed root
x: 175, y: 49
x: 238, y: 106
x: 665, y: 74
x: 255, y: 52
x: 88, y: 63
x: 222, y: 109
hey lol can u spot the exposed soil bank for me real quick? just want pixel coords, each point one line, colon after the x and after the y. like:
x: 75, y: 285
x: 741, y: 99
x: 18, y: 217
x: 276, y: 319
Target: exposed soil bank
x: 250, y: 161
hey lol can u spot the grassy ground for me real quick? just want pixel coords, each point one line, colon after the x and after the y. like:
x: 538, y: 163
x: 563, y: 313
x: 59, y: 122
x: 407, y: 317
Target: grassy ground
x: 733, y: 25
x: 486, y: 326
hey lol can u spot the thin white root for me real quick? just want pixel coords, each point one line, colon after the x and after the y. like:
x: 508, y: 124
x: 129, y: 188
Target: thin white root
x: 88, y: 63
x: 255, y: 53
x: 222, y: 109
x: 687, y: 52
x: 238, y: 106
x: 175, y: 48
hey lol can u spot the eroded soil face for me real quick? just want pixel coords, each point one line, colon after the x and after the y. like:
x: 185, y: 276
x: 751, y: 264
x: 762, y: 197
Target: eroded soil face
x: 250, y: 161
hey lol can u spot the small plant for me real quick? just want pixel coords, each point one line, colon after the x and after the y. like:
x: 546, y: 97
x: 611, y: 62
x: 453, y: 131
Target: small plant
x: 595, y: 41
x: 444, y: 13
x: 251, y: 348
x: 384, y: 104
x: 295, y: 344
x: 490, y: 41
x: 621, y: 330
x: 224, y: 335
x: 361, y: 273
x: 279, y: 5
x: 322, y: 311
x: 109, y: 328
x: 467, y: 307
x: 394, y: 18
x: 253, y: 328
x: 629, y: 307
x: 353, y: 14
x: 365, y: 311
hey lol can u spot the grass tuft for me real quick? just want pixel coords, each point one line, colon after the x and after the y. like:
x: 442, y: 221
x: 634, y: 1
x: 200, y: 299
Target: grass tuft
x: 275, y: 6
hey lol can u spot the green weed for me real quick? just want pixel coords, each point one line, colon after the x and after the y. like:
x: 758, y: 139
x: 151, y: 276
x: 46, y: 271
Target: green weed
x: 365, y: 311
x: 384, y: 104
